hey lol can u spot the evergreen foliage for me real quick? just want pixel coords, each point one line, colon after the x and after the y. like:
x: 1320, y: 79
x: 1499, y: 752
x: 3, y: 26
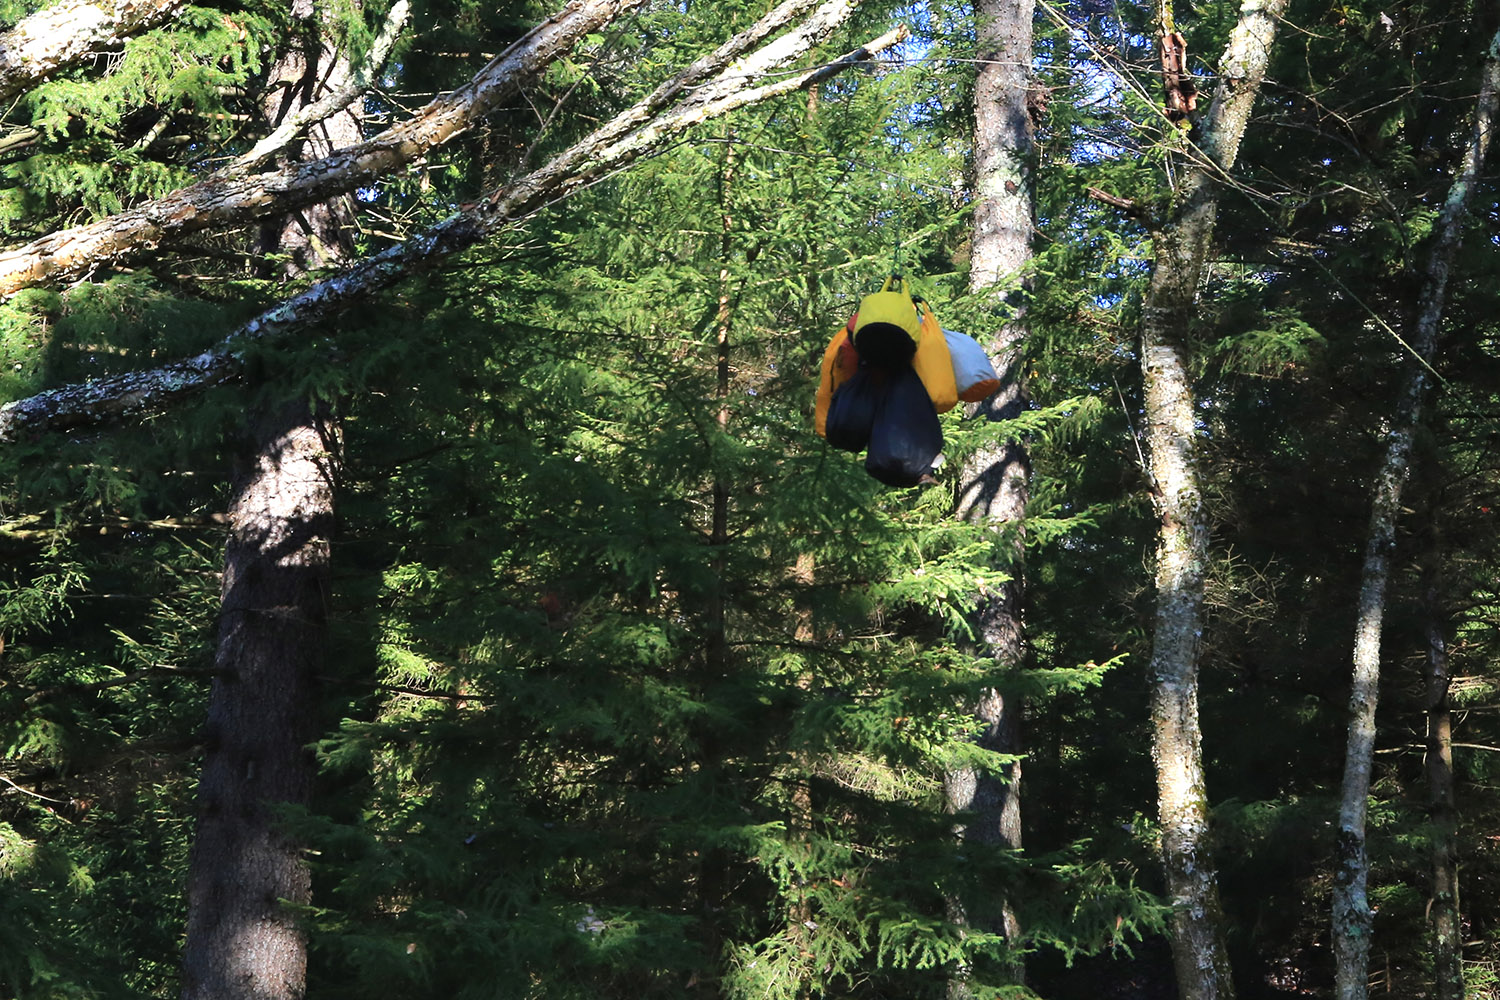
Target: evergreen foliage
x: 579, y: 741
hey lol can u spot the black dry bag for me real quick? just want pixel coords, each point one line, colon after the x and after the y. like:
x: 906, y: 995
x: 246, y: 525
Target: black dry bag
x: 851, y: 415
x: 885, y: 345
x: 906, y: 437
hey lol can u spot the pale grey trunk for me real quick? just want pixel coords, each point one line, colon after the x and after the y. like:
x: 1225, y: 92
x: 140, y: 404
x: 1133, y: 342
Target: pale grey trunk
x: 995, y: 480
x: 1198, y: 951
x: 243, y: 941
x: 1353, y: 923
x: 1447, y: 942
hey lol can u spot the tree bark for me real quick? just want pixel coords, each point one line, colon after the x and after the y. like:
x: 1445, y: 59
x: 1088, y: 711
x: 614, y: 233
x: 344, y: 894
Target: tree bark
x: 637, y: 132
x: 1198, y: 951
x: 66, y: 33
x: 231, y: 197
x: 1447, y: 940
x: 995, y: 484
x: 1353, y: 923
x: 243, y: 942
x: 245, y: 872
x: 357, y: 81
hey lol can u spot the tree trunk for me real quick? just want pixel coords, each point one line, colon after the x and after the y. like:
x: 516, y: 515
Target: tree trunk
x: 243, y: 940
x: 1353, y: 922
x: 995, y: 481
x: 1447, y: 942
x: 1198, y: 951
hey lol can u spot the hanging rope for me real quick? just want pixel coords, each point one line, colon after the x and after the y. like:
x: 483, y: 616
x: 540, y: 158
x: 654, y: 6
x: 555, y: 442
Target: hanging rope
x: 896, y: 253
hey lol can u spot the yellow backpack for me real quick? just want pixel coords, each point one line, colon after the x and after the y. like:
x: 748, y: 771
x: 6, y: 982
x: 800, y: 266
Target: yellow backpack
x: 897, y: 328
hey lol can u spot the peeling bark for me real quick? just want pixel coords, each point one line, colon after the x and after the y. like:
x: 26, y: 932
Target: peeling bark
x: 1177, y: 82
x: 1198, y: 950
x: 717, y: 89
x: 1353, y: 923
x: 995, y: 484
x: 66, y: 33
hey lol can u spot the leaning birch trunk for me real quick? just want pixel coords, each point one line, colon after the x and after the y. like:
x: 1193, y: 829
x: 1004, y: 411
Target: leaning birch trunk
x: 698, y: 95
x: 995, y: 481
x: 1198, y: 951
x: 1353, y: 922
x: 245, y: 872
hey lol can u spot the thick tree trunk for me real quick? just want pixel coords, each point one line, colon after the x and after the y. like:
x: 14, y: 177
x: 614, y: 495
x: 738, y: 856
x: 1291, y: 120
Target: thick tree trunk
x: 1353, y: 922
x: 995, y: 484
x: 242, y: 940
x: 1198, y: 950
x: 717, y: 89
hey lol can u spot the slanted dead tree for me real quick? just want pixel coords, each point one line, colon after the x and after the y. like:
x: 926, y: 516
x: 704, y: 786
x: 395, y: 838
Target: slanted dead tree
x: 64, y: 34
x: 234, y: 195
x: 724, y: 81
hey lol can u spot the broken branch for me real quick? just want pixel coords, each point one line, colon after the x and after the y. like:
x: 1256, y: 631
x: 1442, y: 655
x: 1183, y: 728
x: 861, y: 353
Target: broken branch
x: 604, y: 152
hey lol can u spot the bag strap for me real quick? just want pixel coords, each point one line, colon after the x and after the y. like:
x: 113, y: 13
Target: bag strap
x: 904, y: 289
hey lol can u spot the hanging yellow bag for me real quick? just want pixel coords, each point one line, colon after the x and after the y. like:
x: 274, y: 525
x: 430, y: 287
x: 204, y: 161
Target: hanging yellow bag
x: 840, y: 362
x: 933, y: 363
x: 887, y: 327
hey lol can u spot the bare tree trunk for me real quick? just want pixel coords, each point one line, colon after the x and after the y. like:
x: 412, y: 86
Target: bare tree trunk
x: 1447, y: 942
x: 995, y: 484
x: 1353, y: 923
x: 242, y: 939
x: 1198, y: 951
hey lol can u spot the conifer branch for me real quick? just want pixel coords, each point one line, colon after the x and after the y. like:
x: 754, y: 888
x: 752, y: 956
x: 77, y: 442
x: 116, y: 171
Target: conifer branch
x: 608, y: 150
x: 68, y: 32
x: 226, y: 198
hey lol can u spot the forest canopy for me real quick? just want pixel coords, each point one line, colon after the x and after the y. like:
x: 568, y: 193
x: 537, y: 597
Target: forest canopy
x: 421, y: 574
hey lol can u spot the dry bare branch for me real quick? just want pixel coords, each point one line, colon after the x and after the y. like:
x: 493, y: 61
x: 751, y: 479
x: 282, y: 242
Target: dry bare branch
x: 608, y: 150
x: 65, y: 33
